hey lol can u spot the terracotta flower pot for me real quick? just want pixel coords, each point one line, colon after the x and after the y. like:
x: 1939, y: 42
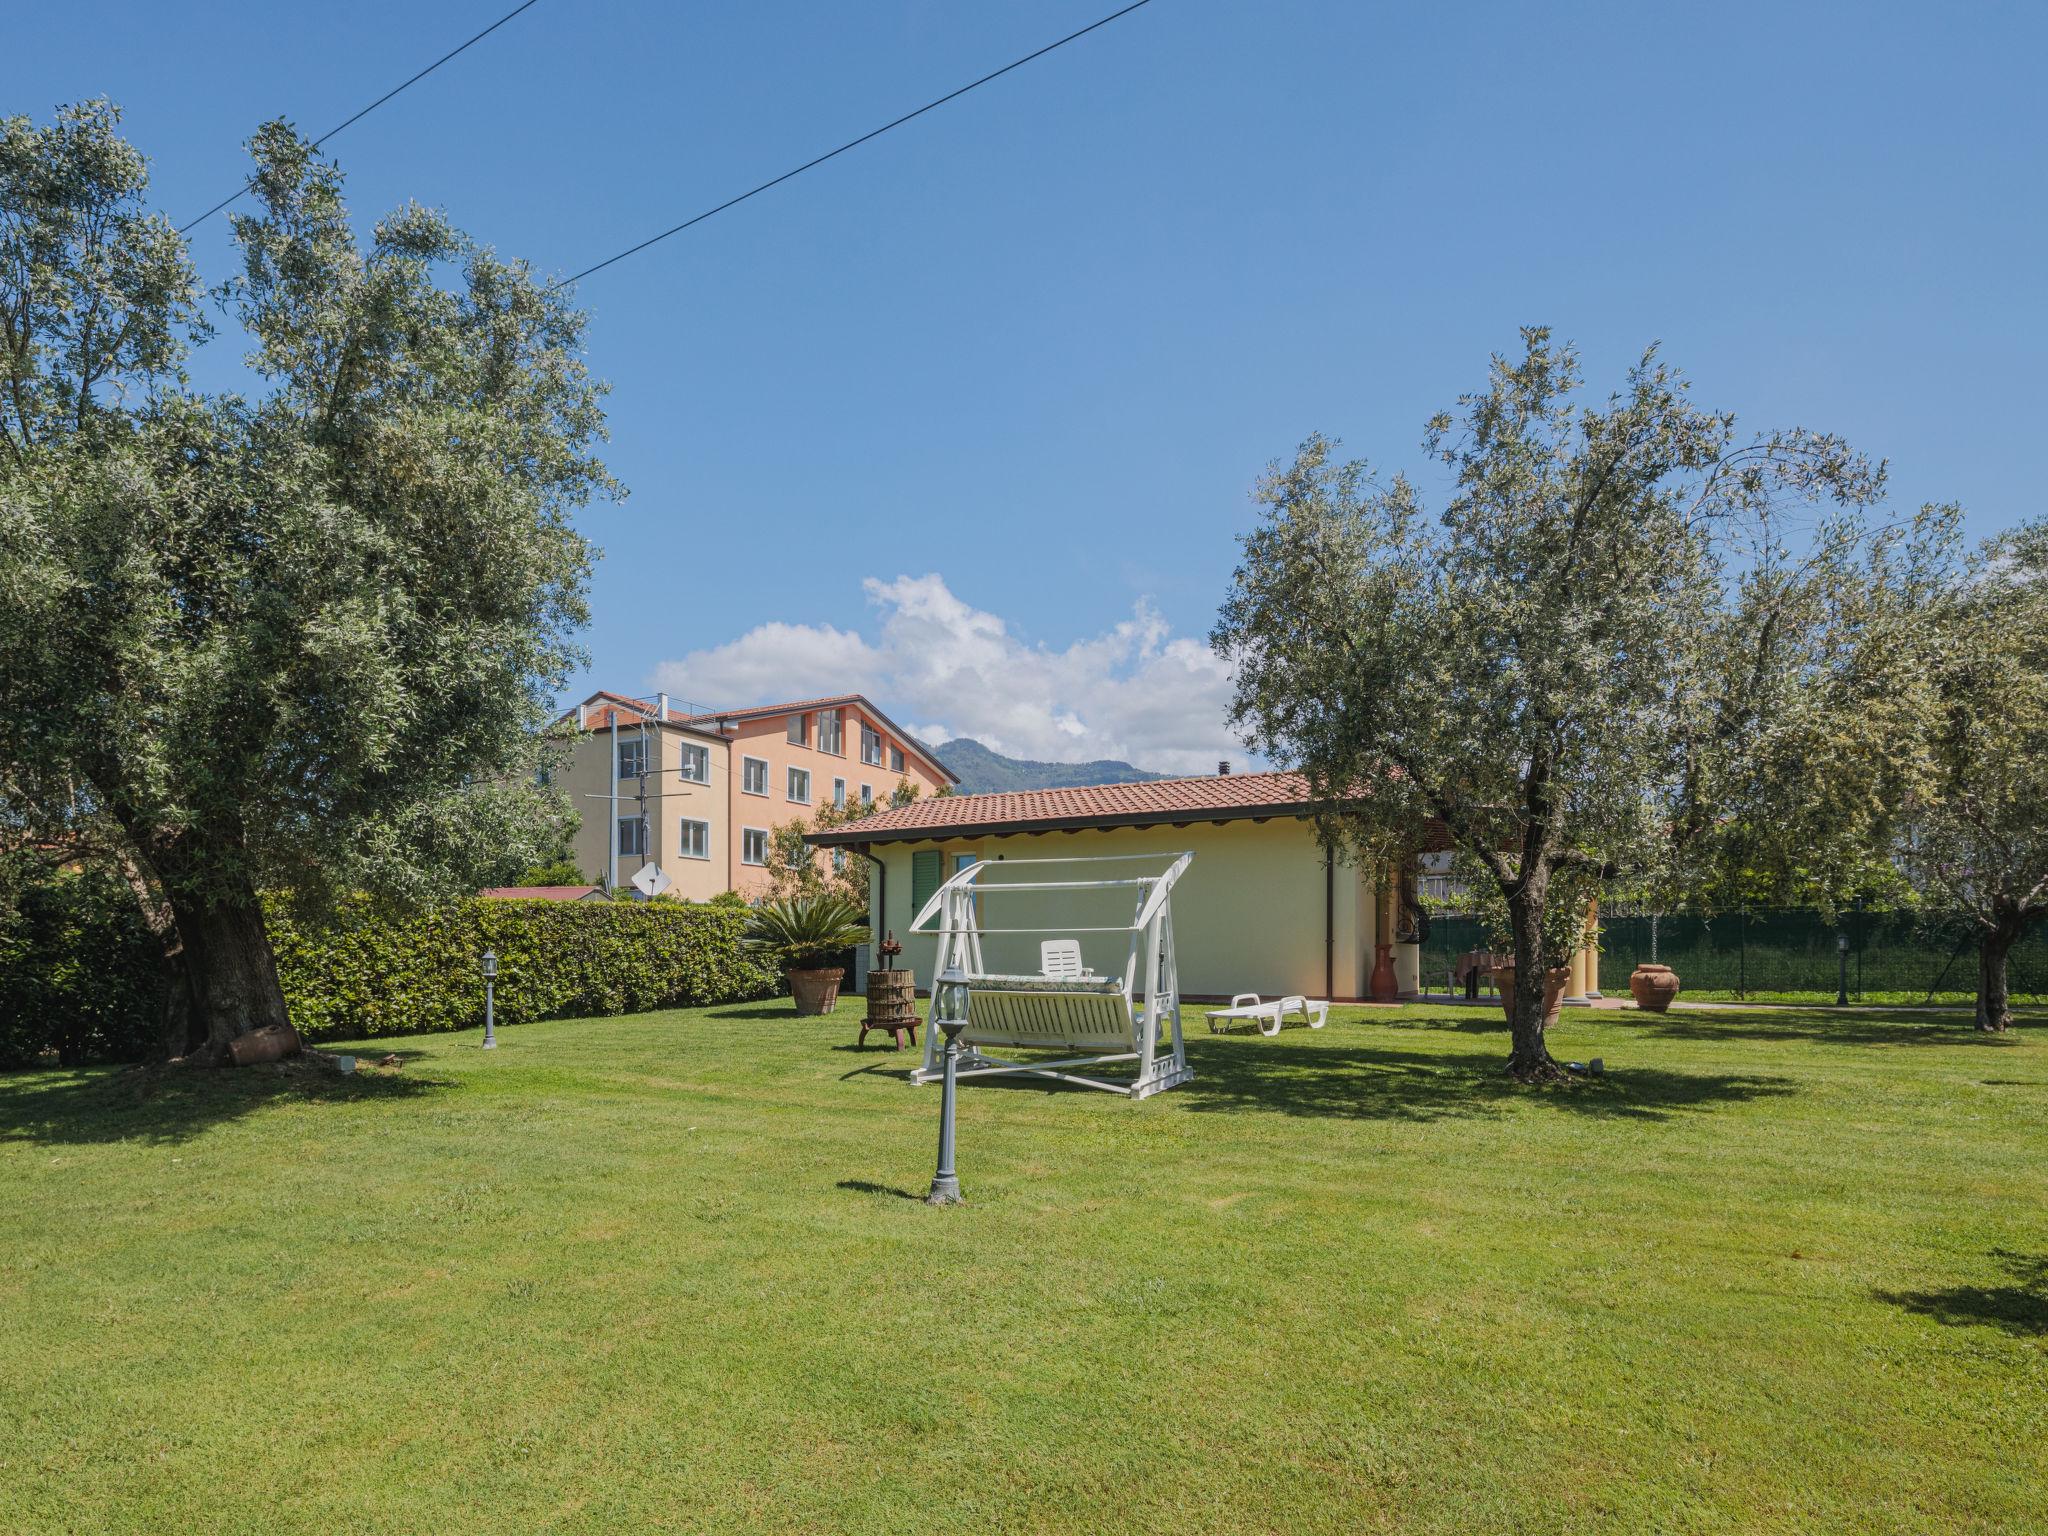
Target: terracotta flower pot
x: 816, y: 991
x: 1554, y: 983
x: 1654, y: 986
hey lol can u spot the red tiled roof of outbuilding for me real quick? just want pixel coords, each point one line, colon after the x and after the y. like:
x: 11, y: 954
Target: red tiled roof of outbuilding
x: 1215, y: 797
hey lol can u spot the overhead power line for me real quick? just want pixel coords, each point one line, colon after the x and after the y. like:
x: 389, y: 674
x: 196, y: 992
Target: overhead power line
x: 873, y: 133
x: 373, y: 106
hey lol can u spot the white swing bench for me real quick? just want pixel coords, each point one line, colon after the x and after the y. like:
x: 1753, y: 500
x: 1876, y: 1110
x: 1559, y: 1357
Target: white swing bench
x: 1098, y: 1021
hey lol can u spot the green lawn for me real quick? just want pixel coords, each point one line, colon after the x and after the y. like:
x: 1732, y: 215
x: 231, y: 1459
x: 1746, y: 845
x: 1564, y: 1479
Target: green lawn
x: 1778, y: 1271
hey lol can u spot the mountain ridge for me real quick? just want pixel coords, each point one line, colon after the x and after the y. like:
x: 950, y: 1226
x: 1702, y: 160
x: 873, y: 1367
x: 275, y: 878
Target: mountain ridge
x: 984, y: 771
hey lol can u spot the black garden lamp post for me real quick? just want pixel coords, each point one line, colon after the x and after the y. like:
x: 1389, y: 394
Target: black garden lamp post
x: 490, y: 969
x: 1842, y: 970
x: 949, y: 1014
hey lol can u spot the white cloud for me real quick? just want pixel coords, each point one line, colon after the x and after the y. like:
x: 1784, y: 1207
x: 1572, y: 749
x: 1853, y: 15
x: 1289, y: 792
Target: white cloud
x: 943, y: 669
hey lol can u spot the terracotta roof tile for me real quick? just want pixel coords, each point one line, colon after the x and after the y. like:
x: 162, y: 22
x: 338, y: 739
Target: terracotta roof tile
x: 1217, y: 797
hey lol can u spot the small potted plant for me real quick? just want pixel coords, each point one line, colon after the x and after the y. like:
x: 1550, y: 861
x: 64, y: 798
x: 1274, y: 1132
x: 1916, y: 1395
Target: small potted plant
x: 805, y: 934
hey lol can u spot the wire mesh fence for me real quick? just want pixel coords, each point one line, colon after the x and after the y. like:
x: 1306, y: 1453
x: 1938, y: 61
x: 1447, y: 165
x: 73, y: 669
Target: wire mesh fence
x: 1896, y: 957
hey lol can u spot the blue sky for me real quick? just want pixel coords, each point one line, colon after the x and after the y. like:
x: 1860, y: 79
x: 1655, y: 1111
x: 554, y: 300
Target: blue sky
x: 968, y: 418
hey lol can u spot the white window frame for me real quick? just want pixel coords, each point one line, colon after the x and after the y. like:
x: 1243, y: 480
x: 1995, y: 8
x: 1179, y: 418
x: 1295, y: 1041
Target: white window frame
x: 790, y: 783
x: 746, y: 833
x: 699, y: 753
x: 619, y: 832
x: 867, y: 794
x: 799, y: 730
x: 747, y: 766
x: 683, y: 838
x: 870, y: 738
x: 636, y: 747
x: 839, y: 794
x: 895, y: 759
x: 836, y: 719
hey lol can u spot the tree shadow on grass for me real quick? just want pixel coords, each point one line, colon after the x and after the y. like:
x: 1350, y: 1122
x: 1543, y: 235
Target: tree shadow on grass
x: 1373, y: 1083
x: 169, y: 1105
x: 2020, y: 1308
x: 1822, y: 1026
x: 1467, y: 1022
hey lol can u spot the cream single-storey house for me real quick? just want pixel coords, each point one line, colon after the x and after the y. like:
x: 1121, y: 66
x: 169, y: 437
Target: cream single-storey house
x: 1265, y: 907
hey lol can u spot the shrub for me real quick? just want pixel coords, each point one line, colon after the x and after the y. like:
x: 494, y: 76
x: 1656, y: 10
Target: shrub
x: 562, y: 871
x: 80, y: 974
x: 363, y: 974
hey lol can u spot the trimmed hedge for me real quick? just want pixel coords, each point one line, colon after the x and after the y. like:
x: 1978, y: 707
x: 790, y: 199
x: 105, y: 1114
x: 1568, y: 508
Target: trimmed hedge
x: 80, y: 974
x: 364, y: 976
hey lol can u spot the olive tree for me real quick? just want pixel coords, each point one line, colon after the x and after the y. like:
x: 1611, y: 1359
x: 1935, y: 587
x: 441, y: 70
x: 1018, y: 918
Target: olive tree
x: 796, y: 869
x: 1977, y: 834
x: 299, y: 639
x: 1562, y: 665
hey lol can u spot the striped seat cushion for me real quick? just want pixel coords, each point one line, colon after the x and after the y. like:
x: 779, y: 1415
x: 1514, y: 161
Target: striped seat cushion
x: 1039, y: 1011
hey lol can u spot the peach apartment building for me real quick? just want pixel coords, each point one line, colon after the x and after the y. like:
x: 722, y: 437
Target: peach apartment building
x: 700, y: 793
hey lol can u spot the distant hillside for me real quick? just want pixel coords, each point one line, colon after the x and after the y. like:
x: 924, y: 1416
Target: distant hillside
x: 983, y: 772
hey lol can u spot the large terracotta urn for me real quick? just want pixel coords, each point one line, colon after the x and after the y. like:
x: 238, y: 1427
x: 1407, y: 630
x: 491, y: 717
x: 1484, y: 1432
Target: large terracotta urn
x: 816, y: 992
x: 1654, y: 986
x: 1554, y: 983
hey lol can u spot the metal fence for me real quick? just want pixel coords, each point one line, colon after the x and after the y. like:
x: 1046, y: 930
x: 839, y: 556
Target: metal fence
x: 1894, y: 956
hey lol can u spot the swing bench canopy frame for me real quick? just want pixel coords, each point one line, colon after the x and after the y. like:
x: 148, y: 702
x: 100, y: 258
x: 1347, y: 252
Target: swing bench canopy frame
x: 1098, y: 1021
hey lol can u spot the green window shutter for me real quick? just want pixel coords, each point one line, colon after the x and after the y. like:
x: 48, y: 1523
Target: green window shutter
x: 927, y: 870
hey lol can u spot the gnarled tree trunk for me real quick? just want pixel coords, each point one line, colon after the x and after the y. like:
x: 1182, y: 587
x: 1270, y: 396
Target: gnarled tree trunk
x: 1994, y: 998
x: 221, y: 944
x: 1529, y: 1058
x: 230, y: 972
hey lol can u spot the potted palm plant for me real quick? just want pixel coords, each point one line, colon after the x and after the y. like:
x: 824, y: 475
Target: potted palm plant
x: 805, y: 934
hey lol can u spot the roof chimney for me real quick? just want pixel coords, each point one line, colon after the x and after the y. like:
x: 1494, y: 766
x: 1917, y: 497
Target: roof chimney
x: 661, y: 704
x: 582, y: 714
x: 1223, y: 768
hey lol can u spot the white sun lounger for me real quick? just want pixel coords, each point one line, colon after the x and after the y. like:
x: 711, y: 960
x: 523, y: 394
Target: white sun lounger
x: 1267, y: 1018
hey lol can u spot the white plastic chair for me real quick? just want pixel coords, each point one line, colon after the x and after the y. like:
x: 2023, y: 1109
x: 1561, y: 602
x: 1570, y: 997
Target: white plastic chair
x: 1061, y: 960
